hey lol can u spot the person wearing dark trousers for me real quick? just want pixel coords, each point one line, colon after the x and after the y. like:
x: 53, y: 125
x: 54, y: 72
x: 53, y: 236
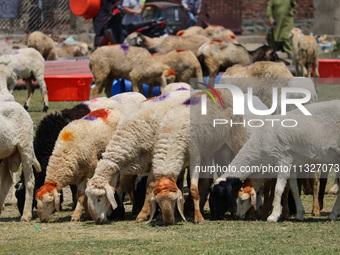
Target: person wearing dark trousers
x: 34, y: 18
x: 104, y: 15
x: 193, y: 9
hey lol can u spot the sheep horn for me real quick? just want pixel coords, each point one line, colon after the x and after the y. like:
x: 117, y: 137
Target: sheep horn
x: 180, y: 204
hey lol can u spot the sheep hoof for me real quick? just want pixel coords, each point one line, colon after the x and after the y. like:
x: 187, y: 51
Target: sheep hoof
x: 316, y: 213
x: 271, y: 219
x: 25, y: 107
x: 25, y: 218
x: 332, y: 216
x: 45, y: 108
x: 201, y: 222
x: 140, y: 219
x: 75, y: 219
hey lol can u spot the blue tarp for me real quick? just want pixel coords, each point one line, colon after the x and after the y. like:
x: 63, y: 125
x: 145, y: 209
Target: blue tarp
x: 121, y: 85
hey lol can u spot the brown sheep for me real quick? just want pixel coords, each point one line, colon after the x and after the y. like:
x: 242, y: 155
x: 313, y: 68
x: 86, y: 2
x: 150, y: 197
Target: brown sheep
x: 132, y: 63
x: 44, y: 44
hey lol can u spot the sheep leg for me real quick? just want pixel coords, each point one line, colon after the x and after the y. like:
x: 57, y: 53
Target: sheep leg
x: 43, y: 90
x: 316, y: 206
x: 269, y: 188
x: 316, y: 68
x: 30, y: 91
x: 108, y: 86
x: 322, y: 188
x: 336, y: 209
x: 204, y: 185
x: 29, y: 184
x: 194, y: 193
x: 295, y: 192
x: 5, y: 181
x: 279, y: 188
x: 81, y: 202
x: 145, y: 212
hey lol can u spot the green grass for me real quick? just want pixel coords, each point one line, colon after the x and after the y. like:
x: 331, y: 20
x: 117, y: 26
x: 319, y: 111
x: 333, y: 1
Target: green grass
x: 316, y: 235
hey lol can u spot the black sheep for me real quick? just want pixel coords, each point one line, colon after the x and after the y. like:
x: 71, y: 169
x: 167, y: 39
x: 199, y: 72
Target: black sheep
x: 45, y: 138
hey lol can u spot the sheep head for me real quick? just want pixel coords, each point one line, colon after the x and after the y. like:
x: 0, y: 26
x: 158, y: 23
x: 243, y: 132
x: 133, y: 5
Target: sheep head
x: 169, y: 76
x: 246, y: 198
x: 48, y: 199
x: 166, y: 194
x: 223, y: 197
x: 100, y: 195
x: 82, y: 49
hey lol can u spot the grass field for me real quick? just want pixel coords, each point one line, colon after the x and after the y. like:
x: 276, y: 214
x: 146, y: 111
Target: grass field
x: 316, y: 235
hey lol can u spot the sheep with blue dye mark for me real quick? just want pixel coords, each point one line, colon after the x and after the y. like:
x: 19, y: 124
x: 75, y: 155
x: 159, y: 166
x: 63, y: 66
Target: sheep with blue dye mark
x: 132, y: 63
x: 130, y: 152
x: 74, y: 159
x: 16, y: 147
x: 26, y: 64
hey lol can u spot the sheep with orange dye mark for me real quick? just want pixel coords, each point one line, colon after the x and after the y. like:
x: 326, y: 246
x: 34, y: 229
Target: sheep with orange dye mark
x: 16, y: 148
x: 187, y: 138
x: 305, y: 53
x: 216, y: 32
x: 194, y: 30
x: 129, y: 152
x: 74, y: 159
x: 132, y: 63
x: 183, y: 62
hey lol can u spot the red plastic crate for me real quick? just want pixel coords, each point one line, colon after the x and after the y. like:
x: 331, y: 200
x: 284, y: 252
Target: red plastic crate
x: 68, y: 87
x: 330, y: 69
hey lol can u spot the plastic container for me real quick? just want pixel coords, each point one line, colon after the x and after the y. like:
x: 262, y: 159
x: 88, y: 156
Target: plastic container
x: 68, y: 87
x: 330, y: 69
x: 85, y: 8
x: 122, y: 86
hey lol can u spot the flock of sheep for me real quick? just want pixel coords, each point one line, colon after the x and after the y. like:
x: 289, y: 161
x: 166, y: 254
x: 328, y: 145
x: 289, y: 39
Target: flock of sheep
x: 167, y: 136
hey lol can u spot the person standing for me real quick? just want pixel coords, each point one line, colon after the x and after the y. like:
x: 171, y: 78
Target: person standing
x: 132, y: 10
x: 34, y: 19
x: 281, y: 19
x: 193, y: 9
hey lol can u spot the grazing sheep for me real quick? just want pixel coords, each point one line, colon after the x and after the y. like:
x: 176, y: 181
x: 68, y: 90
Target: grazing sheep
x: 282, y: 146
x: 187, y: 137
x: 129, y: 152
x: 74, y: 159
x: 45, y: 137
x: 26, y: 64
x: 127, y: 62
x: 305, y: 55
x: 216, y: 32
x: 16, y: 147
x: 70, y: 51
x: 183, y: 62
x: 263, y: 75
x: 44, y: 44
x: 217, y: 54
x: 166, y: 44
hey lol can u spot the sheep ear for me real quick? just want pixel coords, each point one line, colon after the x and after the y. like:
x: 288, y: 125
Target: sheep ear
x: 153, y: 206
x: 253, y: 197
x: 110, y: 193
x: 56, y: 196
x: 180, y: 204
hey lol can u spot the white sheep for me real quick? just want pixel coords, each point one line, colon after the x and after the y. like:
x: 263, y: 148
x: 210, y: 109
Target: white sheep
x: 129, y: 152
x: 44, y: 44
x: 132, y: 63
x: 193, y: 30
x: 305, y: 55
x: 74, y: 159
x: 26, y: 64
x: 282, y: 147
x: 262, y: 77
x: 176, y: 86
x: 16, y: 147
x: 183, y: 62
x: 167, y: 44
x: 185, y: 136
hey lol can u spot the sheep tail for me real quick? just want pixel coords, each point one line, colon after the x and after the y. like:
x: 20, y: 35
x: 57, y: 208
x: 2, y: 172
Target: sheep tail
x: 36, y: 164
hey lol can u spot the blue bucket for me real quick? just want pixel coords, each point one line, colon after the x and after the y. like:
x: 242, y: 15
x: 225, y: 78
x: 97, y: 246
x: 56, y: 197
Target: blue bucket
x: 122, y: 85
